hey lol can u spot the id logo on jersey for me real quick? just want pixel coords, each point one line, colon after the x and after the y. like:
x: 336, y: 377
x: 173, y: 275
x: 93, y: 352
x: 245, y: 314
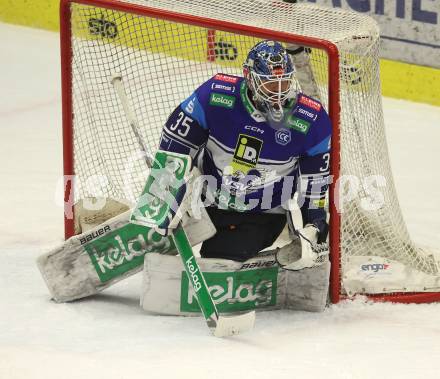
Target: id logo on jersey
x: 247, y: 152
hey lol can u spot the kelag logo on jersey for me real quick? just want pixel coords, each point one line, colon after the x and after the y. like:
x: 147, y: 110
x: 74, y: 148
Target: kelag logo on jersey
x: 246, y: 153
x: 220, y: 100
x: 299, y: 125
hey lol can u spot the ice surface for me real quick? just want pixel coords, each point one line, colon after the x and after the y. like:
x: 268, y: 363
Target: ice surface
x: 109, y: 336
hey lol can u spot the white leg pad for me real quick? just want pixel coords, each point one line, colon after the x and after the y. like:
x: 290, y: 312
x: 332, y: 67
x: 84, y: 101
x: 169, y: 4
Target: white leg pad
x: 80, y: 267
x: 258, y: 283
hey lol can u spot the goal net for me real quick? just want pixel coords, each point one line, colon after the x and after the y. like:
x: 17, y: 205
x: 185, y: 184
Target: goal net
x: 164, y: 49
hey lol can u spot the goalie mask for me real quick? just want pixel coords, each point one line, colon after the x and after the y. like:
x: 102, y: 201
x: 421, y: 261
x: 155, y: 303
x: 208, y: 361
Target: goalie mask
x: 269, y: 74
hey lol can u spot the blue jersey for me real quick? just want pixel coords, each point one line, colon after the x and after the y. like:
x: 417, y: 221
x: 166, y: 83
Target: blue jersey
x: 252, y: 164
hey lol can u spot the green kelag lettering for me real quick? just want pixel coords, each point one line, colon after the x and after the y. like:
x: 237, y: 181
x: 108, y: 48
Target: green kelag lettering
x: 124, y: 249
x: 234, y: 291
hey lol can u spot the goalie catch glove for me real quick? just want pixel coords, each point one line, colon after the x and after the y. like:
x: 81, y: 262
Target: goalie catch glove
x: 306, y: 251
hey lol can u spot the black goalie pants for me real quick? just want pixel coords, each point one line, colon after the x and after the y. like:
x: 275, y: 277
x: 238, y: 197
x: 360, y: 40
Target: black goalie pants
x: 240, y: 236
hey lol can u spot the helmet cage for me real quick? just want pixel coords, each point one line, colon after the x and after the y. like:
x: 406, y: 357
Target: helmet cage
x: 273, y: 89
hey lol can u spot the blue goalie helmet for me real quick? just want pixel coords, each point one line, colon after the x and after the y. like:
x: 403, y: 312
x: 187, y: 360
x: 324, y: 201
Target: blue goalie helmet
x: 269, y: 74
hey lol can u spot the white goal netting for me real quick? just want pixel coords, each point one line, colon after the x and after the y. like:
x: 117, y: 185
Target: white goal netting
x: 162, y: 62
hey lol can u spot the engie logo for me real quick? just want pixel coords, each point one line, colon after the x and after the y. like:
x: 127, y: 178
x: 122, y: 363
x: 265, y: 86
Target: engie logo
x: 220, y: 100
x: 375, y: 267
x: 283, y: 137
x: 234, y: 291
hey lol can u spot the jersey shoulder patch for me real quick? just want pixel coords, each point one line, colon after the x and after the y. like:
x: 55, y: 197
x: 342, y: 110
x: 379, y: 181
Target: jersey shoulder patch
x: 232, y: 79
x: 227, y: 84
x: 304, y: 114
x: 223, y: 90
x: 309, y: 103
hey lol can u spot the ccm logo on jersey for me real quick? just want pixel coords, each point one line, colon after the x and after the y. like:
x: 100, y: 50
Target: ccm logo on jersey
x: 307, y: 101
x: 223, y: 87
x: 255, y: 129
x: 226, y: 78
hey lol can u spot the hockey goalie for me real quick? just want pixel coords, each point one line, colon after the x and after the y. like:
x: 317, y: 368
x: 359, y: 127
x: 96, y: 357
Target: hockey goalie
x: 231, y: 158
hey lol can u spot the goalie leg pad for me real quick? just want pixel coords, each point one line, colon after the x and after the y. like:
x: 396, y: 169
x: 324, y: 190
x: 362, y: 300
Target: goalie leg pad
x: 90, y: 262
x: 308, y: 288
x: 256, y: 284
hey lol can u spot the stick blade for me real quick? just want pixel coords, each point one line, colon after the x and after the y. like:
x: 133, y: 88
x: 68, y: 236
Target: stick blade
x: 232, y: 325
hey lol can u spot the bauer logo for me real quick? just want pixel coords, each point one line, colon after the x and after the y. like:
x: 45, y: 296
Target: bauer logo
x: 123, y: 250
x: 234, y: 291
x: 246, y: 153
x: 258, y: 264
x: 220, y: 100
x: 91, y: 236
x: 307, y: 101
x: 298, y: 124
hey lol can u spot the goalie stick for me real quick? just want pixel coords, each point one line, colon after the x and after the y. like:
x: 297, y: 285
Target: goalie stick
x: 221, y: 326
